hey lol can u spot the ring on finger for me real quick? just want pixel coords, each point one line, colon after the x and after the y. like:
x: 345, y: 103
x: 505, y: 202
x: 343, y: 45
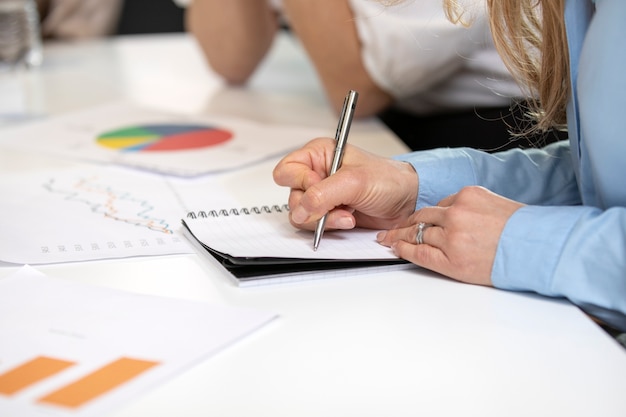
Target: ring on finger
x: 419, y: 237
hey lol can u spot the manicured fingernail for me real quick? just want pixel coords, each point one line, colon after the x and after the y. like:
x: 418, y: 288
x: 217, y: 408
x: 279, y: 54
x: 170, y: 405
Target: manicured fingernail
x: 299, y: 215
x: 381, y: 236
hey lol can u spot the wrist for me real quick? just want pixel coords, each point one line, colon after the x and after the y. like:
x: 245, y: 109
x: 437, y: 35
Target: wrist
x: 409, y: 182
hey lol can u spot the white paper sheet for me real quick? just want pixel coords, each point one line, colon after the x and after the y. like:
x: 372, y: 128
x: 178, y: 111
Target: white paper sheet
x: 86, y: 212
x: 269, y: 234
x: 47, y: 320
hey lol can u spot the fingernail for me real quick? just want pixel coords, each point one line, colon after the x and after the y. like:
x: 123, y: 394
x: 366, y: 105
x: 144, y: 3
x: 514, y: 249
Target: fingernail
x: 345, y: 223
x: 299, y: 215
x: 381, y: 236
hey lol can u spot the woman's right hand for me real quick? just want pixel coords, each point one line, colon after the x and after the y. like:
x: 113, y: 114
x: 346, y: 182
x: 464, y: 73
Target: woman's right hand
x: 368, y: 190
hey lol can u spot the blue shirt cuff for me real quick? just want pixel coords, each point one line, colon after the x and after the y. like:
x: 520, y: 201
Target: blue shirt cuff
x: 441, y: 172
x: 530, y: 247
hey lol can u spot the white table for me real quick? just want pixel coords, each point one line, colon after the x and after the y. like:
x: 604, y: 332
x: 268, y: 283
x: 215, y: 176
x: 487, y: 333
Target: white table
x: 397, y: 344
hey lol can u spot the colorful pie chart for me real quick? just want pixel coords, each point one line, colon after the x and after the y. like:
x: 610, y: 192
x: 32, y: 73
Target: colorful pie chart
x: 163, y: 138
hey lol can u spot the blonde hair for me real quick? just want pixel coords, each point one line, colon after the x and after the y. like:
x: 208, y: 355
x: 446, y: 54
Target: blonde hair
x: 530, y: 37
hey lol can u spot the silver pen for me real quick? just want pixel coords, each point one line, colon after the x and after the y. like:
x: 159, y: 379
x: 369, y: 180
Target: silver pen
x: 341, y: 136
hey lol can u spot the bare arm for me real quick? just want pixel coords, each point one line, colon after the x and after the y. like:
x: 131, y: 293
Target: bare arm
x: 235, y: 35
x: 327, y: 30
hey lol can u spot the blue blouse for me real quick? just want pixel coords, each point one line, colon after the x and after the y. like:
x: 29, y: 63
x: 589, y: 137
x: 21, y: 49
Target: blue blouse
x: 570, y: 240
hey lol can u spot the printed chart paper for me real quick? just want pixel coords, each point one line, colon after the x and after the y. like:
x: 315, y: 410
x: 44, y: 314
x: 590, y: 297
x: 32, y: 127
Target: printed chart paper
x: 86, y: 212
x: 70, y: 349
x: 175, y: 144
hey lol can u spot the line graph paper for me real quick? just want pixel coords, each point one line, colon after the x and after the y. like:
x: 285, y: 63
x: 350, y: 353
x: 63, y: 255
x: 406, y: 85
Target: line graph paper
x: 86, y: 213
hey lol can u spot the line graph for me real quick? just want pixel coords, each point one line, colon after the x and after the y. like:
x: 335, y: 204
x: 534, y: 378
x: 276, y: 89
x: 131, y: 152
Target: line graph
x: 87, y: 212
x: 109, y: 202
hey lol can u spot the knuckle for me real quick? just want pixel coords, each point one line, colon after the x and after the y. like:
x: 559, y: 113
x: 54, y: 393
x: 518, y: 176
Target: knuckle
x: 471, y: 191
x: 312, y: 198
x: 424, y: 256
x: 294, y: 198
x: 277, y: 174
x: 454, y: 216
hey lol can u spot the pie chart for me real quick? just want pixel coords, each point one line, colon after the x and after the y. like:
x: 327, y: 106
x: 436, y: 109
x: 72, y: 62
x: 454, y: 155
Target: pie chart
x: 163, y: 138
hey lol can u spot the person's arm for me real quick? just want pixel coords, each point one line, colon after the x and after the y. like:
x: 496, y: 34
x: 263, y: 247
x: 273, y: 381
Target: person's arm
x: 235, y: 35
x: 326, y: 29
x: 531, y: 176
x: 76, y: 19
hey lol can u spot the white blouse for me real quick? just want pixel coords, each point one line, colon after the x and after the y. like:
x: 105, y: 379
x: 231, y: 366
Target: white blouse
x: 429, y: 64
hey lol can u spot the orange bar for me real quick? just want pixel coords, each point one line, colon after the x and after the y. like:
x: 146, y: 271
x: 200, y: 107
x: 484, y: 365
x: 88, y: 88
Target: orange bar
x: 98, y: 382
x: 30, y: 373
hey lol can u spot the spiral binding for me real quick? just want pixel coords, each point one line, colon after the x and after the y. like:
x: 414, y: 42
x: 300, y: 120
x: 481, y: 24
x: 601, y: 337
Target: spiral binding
x: 276, y: 208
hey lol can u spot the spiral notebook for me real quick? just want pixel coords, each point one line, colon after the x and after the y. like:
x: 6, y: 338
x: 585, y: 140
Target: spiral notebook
x: 258, y: 246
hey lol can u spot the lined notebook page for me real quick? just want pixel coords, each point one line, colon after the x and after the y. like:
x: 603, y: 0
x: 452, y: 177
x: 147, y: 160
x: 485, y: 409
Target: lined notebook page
x: 269, y: 234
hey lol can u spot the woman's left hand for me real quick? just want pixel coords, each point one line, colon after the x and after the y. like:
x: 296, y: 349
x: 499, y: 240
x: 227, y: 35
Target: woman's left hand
x: 461, y: 234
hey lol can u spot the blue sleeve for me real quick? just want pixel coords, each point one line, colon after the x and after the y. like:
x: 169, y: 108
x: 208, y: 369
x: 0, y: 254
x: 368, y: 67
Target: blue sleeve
x: 533, y: 176
x: 570, y: 240
x: 574, y: 252
x: 580, y: 252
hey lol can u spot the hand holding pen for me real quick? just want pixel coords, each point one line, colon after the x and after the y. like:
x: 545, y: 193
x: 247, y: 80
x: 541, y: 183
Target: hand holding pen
x: 341, y: 136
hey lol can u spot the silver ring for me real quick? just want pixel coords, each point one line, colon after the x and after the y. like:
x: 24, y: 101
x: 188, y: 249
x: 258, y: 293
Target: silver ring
x: 419, y: 238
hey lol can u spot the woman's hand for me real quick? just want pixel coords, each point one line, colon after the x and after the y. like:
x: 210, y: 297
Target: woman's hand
x: 368, y: 190
x: 461, y: 236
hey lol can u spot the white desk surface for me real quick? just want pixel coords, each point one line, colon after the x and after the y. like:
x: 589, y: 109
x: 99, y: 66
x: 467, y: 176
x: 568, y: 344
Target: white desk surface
x: 396, y: 344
